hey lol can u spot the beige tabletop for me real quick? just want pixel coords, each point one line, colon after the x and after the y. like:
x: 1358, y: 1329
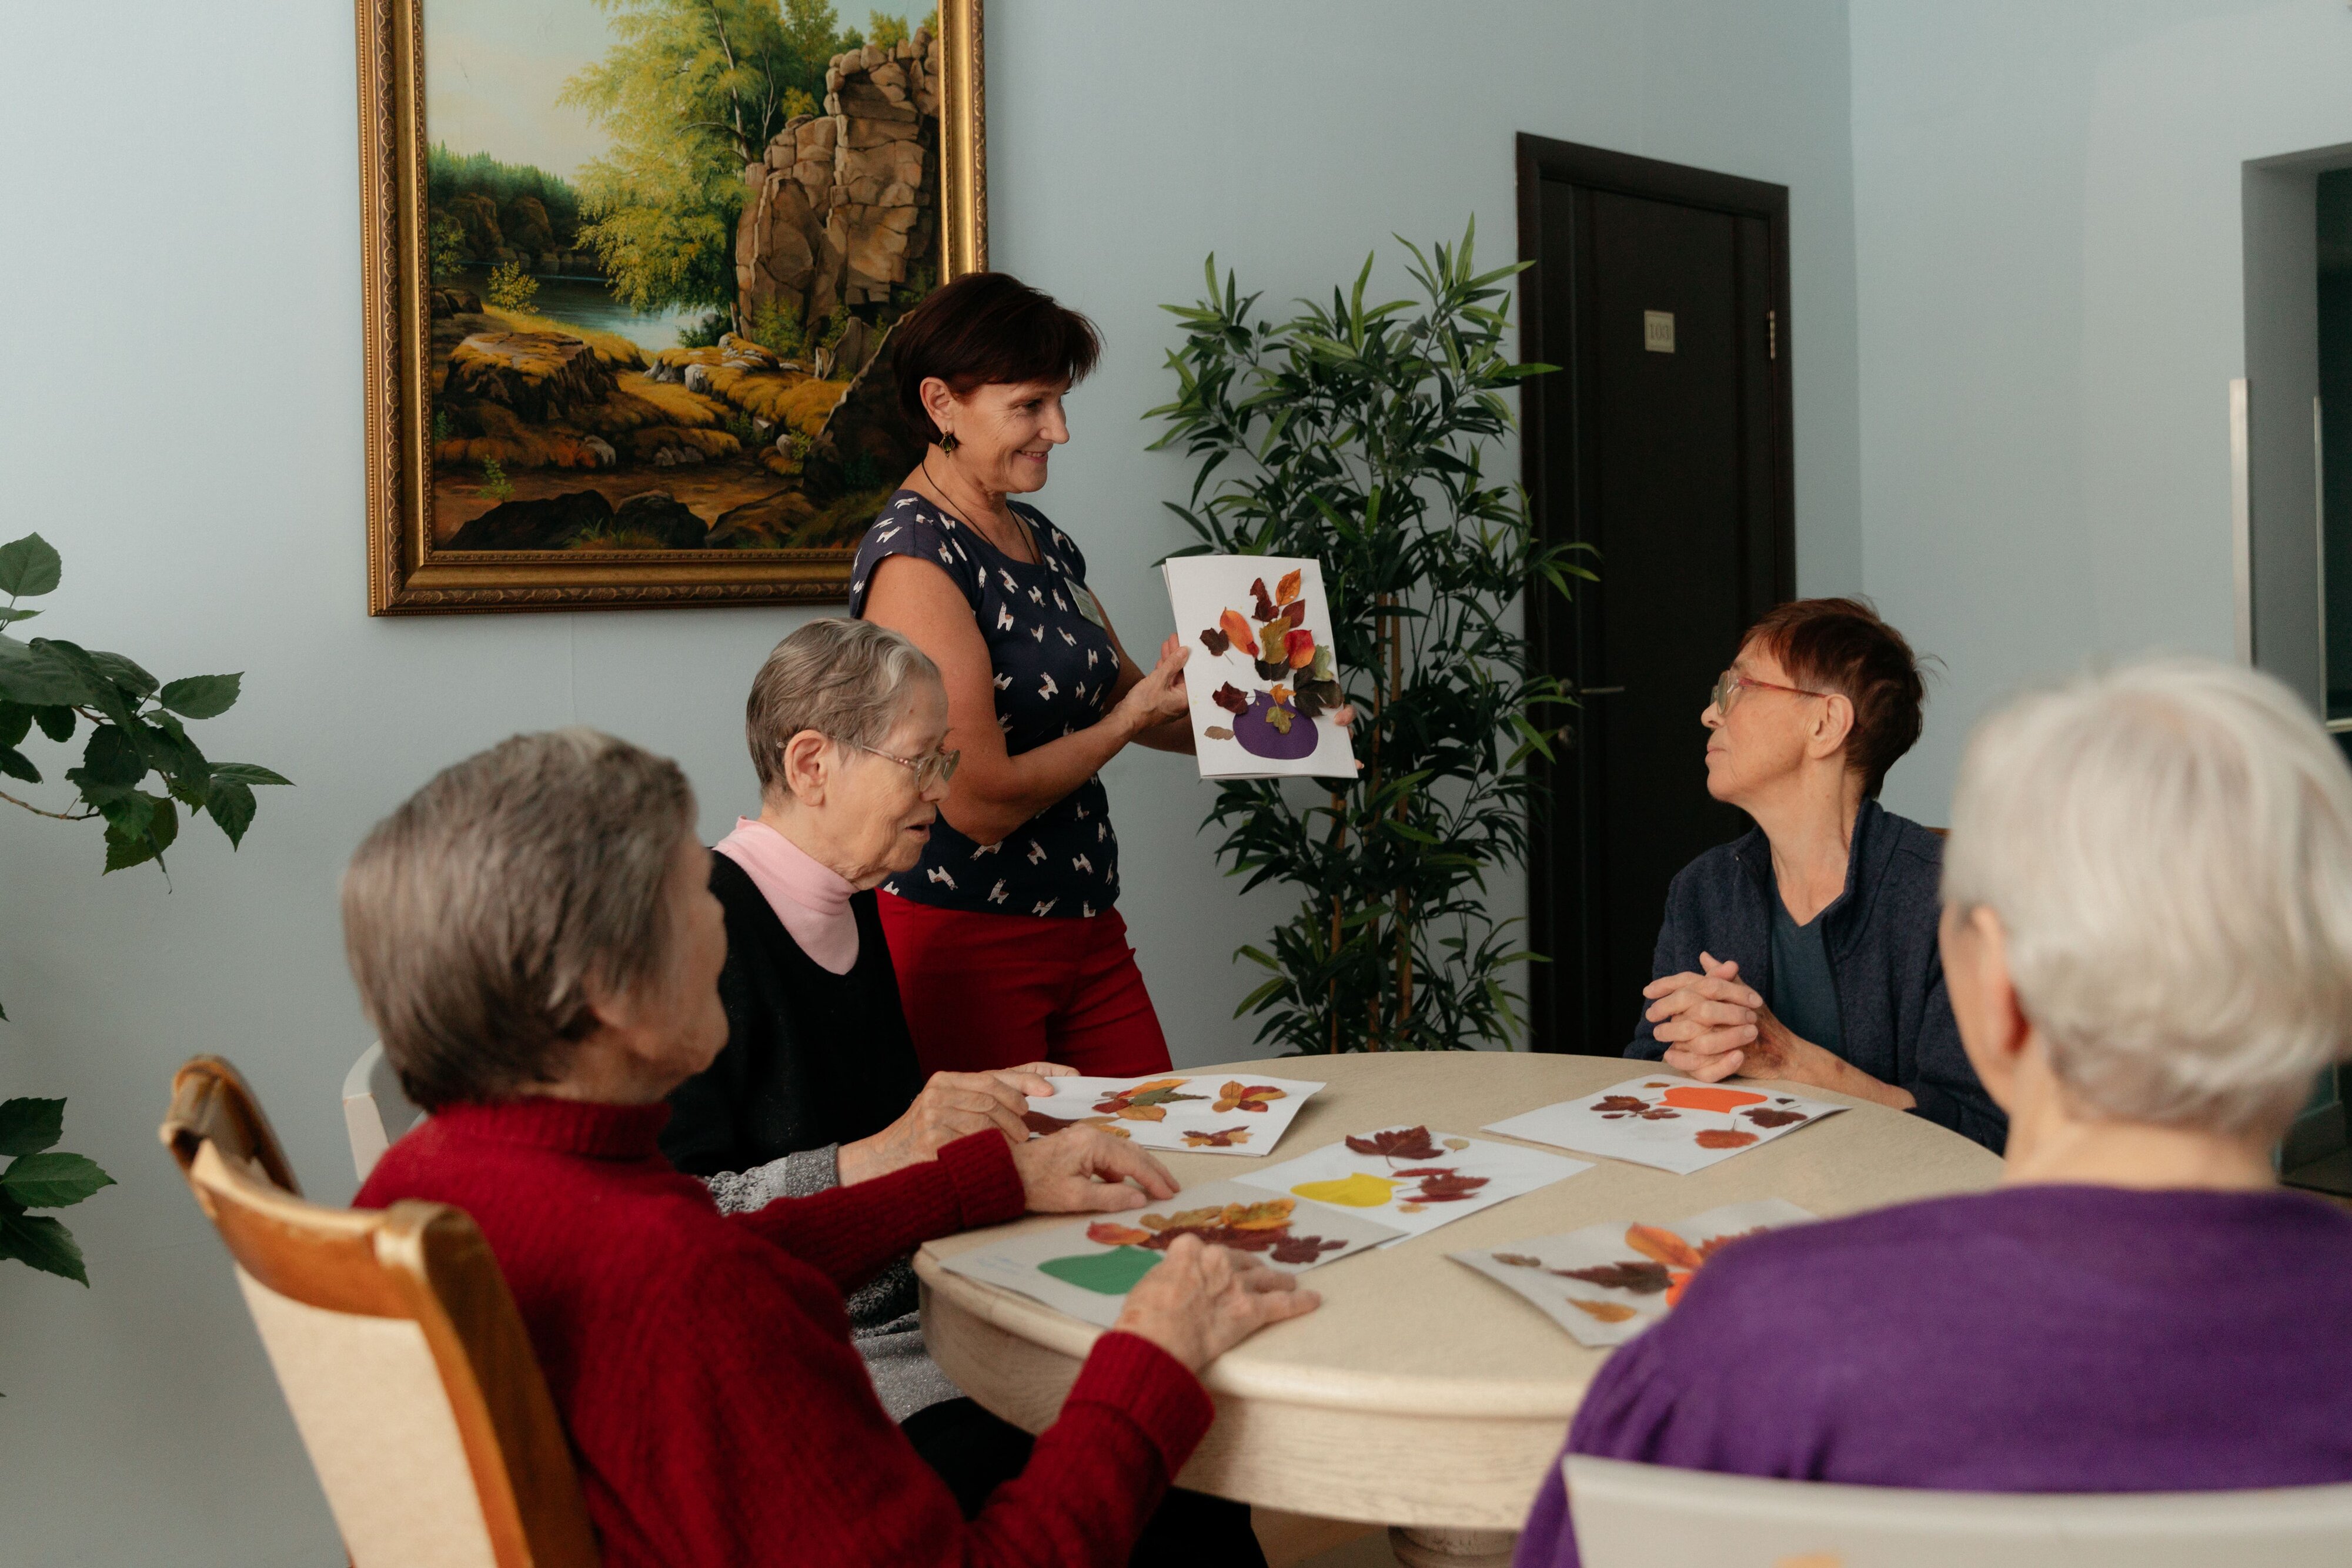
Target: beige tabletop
x: 1422, y: 1394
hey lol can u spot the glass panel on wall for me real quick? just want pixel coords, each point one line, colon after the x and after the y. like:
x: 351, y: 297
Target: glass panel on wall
x: 2336, y: 432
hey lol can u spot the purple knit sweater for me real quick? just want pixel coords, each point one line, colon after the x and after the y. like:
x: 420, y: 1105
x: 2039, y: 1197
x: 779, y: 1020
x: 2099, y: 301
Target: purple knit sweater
x: 2035, y: 1339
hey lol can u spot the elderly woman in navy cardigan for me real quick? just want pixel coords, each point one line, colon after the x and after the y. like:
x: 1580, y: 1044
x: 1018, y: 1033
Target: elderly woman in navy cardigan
x: 1806, y: 951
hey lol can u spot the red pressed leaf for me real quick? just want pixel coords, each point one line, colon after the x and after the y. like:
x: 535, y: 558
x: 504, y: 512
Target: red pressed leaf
x: 1620, y: 1103
x: 1401, y: 1143
x: 1038, y: 1122
x: 1299, y: 647
x: 1295, y: 613
x: 1261, y: 607
x: 1446, y: 1188
x: 1231, y: 698
x: 1767, y: 1117
x: 1216, y: 642
x: 1642, y: 1279
x: 1302, y: 1249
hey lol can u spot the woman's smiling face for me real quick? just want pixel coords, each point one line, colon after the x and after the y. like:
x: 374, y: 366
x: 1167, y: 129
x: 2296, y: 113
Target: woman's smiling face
x: 1007, y: 430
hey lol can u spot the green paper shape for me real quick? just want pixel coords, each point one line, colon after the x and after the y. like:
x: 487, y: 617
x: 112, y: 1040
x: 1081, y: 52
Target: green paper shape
x: 1111, y: 1273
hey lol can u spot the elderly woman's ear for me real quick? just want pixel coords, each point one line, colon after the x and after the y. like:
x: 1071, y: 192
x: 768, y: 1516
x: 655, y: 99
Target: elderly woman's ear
x: 1994, y: 1029
x: 1833, y: 724
x: 808, y: 764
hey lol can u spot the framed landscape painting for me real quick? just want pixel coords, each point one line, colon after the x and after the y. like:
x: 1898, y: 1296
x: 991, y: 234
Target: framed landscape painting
x: 632, y: 269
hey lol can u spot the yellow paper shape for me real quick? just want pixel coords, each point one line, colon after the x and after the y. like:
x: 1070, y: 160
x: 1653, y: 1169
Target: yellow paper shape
x: 1357, y: 1191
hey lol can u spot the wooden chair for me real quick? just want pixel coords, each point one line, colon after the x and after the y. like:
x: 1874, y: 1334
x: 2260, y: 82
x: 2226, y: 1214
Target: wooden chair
x: 1647, y: 1515
x: 376, y: 1112
x: 399, y: 1351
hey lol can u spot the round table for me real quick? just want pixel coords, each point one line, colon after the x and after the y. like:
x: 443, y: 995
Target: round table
x: 1422, y: 1396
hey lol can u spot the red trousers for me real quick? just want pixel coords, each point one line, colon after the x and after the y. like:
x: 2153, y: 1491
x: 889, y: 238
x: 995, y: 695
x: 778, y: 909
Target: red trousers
x: 984, y: 991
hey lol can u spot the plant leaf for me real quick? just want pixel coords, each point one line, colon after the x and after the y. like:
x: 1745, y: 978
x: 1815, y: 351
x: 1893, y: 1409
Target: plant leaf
x: 52, y: 1180
x: 56, y: 723
x: 249, y: 773
x: 40, y: 1242
x: 231, y: 806
x: 16, y: 765
x: 29, y: 568
x: 201, y: 696
x: 28, y: 1126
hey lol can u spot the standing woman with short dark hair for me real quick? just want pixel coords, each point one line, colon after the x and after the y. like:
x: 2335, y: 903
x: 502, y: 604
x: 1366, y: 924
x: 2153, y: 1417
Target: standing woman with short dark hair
x: 1806, y: 951
x: 1006, y: 934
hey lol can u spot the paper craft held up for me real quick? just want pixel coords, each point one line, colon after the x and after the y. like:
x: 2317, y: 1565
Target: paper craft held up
x: 1607, y: 1283
x: 1414, y: 1178
x: 1262, y: 678
x: 1087, y: 1269
x: 1213, y: 1115
x: 1673, y: 1123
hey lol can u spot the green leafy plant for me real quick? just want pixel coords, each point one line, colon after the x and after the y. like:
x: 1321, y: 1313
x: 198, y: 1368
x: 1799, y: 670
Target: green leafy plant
x: 1356, y: 435
x: 509, y: 288
x: 40, y: 1176
x: 495, y: 483
x: 137, y: 732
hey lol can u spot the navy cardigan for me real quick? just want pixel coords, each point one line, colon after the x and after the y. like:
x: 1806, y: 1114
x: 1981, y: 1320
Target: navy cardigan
x: 1894, y: 1017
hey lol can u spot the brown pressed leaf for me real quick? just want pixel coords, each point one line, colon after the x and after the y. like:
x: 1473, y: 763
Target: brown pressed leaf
x: 1183, y: 1219
x: 1661, y: 1114
x: 1221, y: 1138
x: 1039, y: 1122
x: 1216, y: 641
x: 1296, y: 614
x: 1231, y: 698
x: 1262, y: 608
x: 1664, y: 1245
x: 1288, y: 589
x: 1302, y: 1249
x: 1607, y: 1311
x: 1642, y: 1279
x: 1723, y: 1138
x: 1141, y: 1113
x: 1765, y: 1116
x: 1518, y: 1260
x: 1657, y: 1086
x: 1399, y: 1144
x: 1218, y: 732
x: 1444, y: 1186
x: 1620, y: 1103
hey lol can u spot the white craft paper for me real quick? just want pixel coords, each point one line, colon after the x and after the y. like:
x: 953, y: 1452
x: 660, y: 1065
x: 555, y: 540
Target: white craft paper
x: 1610, y: 1123
x: 1017, y: 1262
x: 1191, y: 1125
x: 1201, y: 587
x: 1532, y: 1268
x: 1397, y: 1187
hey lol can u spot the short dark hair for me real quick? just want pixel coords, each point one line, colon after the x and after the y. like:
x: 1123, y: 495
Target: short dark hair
x: 478, y: 915
x: 1841, y: 646
x: 987, y: 327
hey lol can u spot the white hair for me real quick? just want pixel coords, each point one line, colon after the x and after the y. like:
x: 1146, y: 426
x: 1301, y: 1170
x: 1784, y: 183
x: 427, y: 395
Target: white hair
x: 2168, y: 849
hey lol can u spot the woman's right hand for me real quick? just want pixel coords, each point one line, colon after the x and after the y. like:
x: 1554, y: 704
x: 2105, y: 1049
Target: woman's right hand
x: 1160, y: 695
x: 1202, y: 1301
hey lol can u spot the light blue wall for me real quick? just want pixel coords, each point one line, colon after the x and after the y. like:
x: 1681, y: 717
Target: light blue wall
x: 181, y: 416
x: 2047, y: 203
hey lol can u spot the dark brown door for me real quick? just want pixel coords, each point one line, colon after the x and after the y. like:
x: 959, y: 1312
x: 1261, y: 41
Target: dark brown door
x: 1663, y: 441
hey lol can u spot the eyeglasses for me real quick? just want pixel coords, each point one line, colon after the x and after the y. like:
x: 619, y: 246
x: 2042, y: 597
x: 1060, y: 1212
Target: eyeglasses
x: 1731, y: 683
x: 933, y: 768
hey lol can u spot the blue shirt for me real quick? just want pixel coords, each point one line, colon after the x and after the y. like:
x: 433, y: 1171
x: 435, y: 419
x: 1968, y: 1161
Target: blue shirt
x: 1055, y: 665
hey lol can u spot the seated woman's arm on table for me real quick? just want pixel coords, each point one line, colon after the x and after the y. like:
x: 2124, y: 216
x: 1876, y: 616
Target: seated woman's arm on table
x: 994, y: 792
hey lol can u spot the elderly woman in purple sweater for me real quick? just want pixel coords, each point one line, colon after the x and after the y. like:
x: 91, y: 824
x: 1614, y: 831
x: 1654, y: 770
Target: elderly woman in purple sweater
x: 2148, y: 939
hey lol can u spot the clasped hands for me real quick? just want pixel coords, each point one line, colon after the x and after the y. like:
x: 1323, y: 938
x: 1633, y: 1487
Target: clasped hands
x: 1715, y: 1025
x: 1197, y: 1303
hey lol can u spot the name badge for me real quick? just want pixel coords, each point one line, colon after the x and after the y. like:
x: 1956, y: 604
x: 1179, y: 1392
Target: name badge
x: 1086, y: 605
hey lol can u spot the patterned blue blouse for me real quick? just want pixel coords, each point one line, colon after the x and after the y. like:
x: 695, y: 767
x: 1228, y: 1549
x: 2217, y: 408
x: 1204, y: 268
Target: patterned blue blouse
x: 1054, y: 666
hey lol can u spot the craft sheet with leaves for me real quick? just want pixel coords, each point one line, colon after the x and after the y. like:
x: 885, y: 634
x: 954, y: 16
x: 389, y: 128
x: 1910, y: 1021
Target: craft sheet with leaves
x: 1673, y: 1123
x: 1087, y: 1269
x: 1607, y: 1283
x: 1262, y: 679
x: 1212, y: 1114
x: 1414, y: 1178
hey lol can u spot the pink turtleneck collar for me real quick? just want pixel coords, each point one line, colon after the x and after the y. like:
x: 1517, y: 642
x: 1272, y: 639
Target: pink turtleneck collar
x: 810, y: 897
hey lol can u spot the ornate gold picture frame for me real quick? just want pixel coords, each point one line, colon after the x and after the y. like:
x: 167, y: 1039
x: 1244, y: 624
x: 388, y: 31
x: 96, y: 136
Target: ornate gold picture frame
x: 630, y: 277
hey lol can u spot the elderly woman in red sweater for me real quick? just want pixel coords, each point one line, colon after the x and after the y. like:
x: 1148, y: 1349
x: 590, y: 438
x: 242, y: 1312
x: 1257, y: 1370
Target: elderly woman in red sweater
x: 534, y: 936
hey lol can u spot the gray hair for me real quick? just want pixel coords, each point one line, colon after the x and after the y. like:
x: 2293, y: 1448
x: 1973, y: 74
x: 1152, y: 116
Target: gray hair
x: 2168, y: 849
x: 845, y: 679
x: 478, y: 915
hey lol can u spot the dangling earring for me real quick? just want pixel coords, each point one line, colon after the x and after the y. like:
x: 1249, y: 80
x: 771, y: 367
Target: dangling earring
x: 948, y: 443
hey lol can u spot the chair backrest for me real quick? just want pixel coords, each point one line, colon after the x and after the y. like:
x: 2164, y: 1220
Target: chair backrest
x: 400, y: 1352
x: 1628, y: 1514
x: 376, y: 1111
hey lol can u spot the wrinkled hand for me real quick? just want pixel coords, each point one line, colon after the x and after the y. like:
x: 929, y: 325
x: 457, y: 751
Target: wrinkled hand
x: 952, y: 1106
x: 1202, y: 1301
x: 1085, y: 1170
x: 1708, y: 1022
x: 1160, y: 695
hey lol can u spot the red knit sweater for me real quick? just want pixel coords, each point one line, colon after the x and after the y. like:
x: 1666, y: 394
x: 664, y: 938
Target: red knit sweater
x: 703, y: 1367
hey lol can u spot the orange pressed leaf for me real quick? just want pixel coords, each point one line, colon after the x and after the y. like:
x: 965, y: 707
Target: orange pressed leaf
x: 1707, y: 1097
x: 1237, y: 632
x: 1607, y: 1311
x: 1288, y: 589
x: 1676, y: 1283
x: 1663, y: 1245
x: 1723, y: 1138
x: 1142, y: 1113
x: 1110, y: 1233
x: 1715, y: 1244
x: 1271, y: 1215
